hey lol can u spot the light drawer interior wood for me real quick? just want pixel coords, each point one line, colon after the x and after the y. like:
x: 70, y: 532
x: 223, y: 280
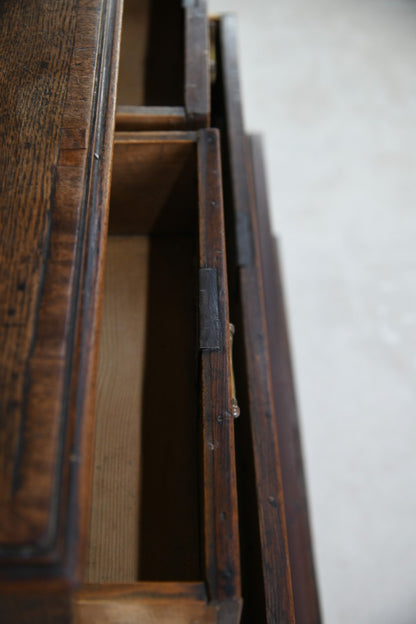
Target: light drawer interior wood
x: 145, y: 499
x: 152, y: 54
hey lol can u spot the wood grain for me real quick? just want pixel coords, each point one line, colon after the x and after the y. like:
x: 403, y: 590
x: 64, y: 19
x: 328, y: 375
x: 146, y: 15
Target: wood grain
x: 57, y: 113
x: 145, y: 500
x: 197, y: 68
x: 305, y: 592
x: 145, y: 118
x: 275, y: 596
x: 222, y: 558
x: 154, y: 193
x: 169, y: 536
x: 113, y: 541
x: 154, y: 183
x: 33, y: 108
x: 147, y: 603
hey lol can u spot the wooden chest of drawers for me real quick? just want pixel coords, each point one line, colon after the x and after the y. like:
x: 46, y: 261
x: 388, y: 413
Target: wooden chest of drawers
x: 128, y: 490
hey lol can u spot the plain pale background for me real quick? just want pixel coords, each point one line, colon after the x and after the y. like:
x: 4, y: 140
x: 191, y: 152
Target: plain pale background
x: 331, y: 85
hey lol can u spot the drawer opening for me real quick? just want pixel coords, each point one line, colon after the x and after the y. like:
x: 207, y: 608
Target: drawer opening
x: 145, y: 497
x: 151, y: 71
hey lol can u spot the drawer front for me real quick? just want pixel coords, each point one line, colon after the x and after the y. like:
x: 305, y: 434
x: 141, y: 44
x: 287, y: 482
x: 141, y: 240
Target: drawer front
x: 59, y: 112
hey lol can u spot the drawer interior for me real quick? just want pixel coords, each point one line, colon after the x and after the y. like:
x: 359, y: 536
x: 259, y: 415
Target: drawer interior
x: 151, y: 71
x: 145, y: 498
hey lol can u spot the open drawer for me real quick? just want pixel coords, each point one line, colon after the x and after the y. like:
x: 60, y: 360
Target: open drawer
x: 164, y: 66
x: 163, y: 536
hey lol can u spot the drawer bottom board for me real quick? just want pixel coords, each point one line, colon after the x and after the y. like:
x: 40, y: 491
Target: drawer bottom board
x: 145, y: 462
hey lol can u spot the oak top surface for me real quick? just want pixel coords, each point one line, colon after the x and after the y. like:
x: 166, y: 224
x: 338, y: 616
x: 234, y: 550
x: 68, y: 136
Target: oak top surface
x: 49, y: 71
